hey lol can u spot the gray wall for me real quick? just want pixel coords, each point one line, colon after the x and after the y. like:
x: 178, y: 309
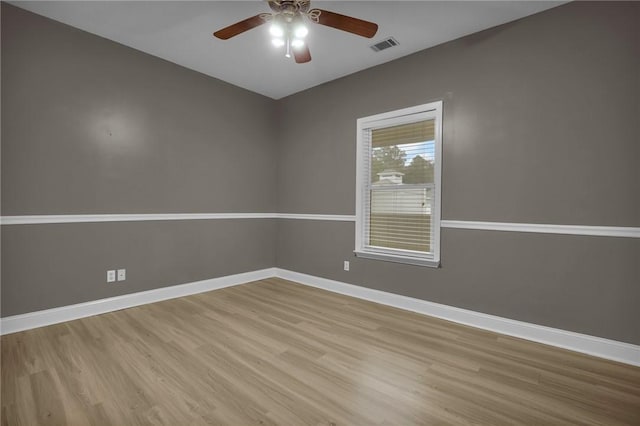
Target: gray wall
x: 541, y: 125
x: 90, y: 126
x: 45, y: 266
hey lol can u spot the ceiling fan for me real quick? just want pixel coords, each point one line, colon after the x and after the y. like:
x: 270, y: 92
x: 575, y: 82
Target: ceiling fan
x: 289, y: 29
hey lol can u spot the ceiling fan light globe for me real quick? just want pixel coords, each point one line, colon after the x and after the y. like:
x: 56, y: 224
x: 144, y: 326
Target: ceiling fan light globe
x: 277, y: 42
x: 297, y: 43
x: 301, y: 31
x: 276, y: 30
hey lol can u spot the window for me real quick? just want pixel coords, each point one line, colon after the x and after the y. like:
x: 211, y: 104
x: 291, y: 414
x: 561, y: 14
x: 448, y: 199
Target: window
x: 398, y: 185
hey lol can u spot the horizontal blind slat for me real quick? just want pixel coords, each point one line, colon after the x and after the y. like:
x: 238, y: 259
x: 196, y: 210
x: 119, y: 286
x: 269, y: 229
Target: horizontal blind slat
x: 403, y: 134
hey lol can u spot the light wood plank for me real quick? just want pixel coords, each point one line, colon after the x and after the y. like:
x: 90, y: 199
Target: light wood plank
x: 276, y: 352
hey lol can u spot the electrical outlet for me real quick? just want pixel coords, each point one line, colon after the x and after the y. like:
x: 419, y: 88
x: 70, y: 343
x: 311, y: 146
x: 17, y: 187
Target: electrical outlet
x: 346, y: 265
x: 122, y: 274
x: 111, y: 276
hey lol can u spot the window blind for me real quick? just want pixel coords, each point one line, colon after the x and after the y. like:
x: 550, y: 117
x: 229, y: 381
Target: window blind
x: 404, y: 134
x: 399, y: 196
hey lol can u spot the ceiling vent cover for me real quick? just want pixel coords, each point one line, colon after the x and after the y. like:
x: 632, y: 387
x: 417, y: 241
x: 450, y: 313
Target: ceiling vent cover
x: 384, y: 44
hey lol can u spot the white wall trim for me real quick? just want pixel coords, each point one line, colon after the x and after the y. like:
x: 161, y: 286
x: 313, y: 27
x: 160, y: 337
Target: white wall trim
x: 596, y: 346
x: 82, y: 218
x: 46, y: 317
x: 600, y: 231
x: 86, y: 218
x: 332, y: 217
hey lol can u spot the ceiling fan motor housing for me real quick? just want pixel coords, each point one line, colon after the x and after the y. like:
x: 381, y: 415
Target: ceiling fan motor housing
x: 288, y: 25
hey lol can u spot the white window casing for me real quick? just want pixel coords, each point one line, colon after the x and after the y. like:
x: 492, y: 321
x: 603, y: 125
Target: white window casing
x: 398, y: 221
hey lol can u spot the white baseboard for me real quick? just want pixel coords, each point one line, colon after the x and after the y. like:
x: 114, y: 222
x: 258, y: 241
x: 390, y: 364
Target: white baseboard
x: 45, y: 317
x: 596, y: 346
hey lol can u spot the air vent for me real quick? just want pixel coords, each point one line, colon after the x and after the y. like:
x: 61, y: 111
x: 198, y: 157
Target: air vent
x: 384, y: 44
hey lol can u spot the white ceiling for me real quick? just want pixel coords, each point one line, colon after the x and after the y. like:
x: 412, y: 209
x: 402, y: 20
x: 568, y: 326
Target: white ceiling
x: 181, y: 32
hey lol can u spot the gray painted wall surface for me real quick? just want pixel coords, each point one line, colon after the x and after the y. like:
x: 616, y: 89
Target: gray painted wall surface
x: 541, y: 125
x: 90, y: 126
x: 584, y: 284
x: 45, y: 266
x: 541, y: 121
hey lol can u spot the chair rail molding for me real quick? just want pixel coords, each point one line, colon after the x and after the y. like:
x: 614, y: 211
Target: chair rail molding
x: 542, y: 228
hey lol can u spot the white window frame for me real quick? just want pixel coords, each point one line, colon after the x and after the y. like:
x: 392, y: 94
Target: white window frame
x: 428, y: 111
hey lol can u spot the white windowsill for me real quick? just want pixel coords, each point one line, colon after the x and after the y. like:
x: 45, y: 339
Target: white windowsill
x: 398, y: 259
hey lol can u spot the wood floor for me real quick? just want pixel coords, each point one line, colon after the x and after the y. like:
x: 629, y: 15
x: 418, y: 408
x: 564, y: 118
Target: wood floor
x: 275, y: 352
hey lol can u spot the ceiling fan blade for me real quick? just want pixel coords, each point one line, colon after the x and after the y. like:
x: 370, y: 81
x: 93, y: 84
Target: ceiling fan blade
x: 302, y: 54
x: 345, y: 23
x: 239, y: 27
